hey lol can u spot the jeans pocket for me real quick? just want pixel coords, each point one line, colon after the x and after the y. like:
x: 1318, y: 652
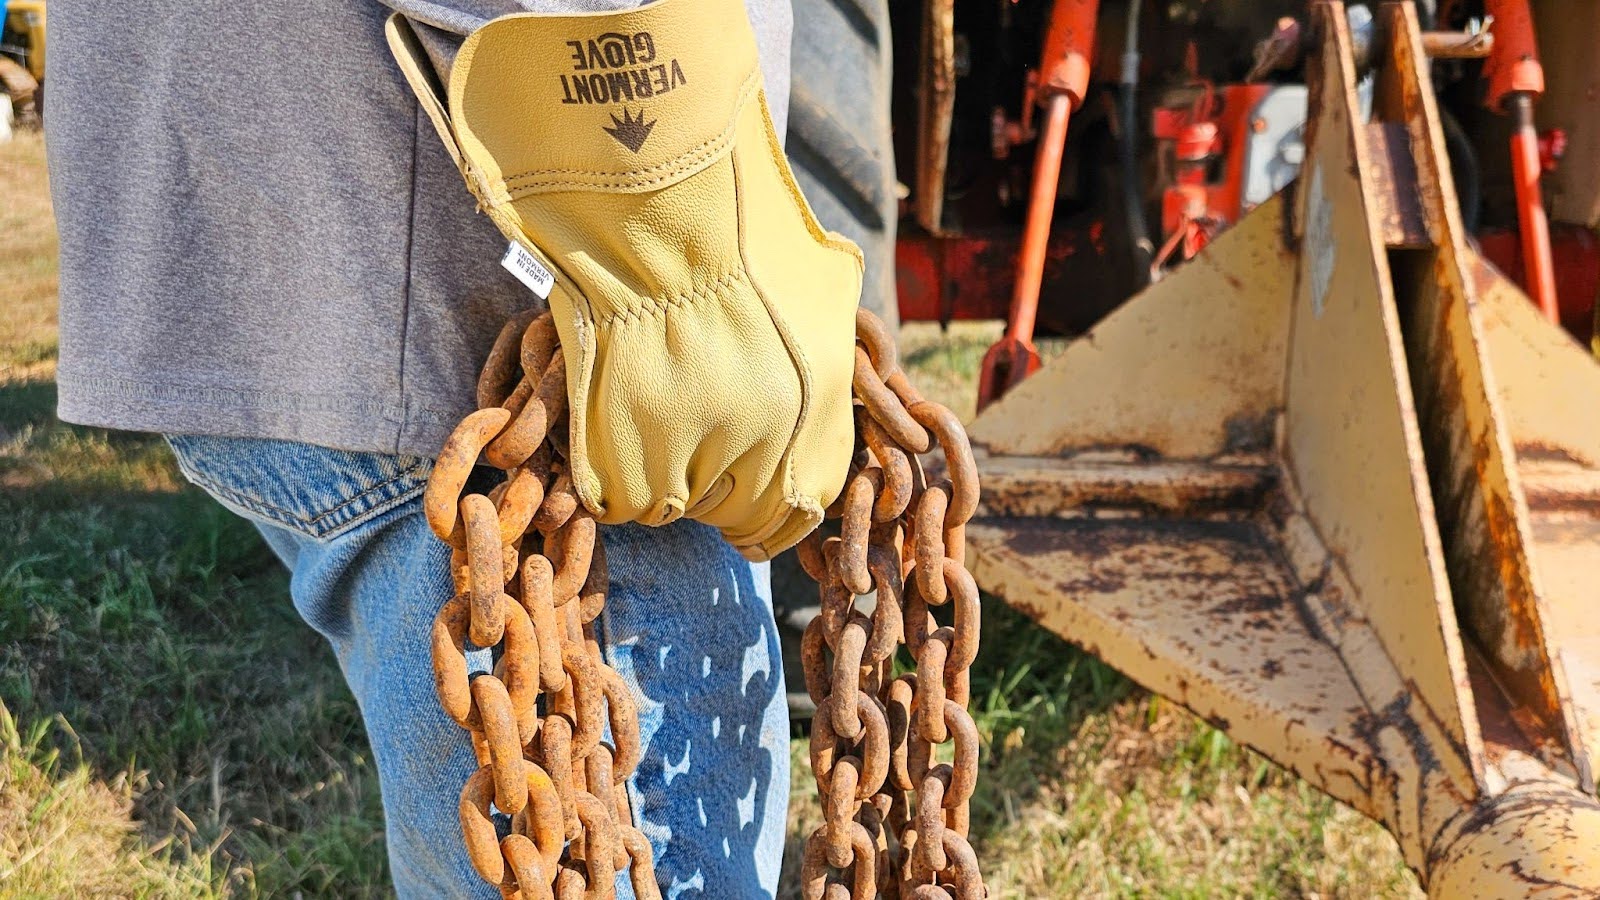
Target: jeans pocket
x: 316, y: 491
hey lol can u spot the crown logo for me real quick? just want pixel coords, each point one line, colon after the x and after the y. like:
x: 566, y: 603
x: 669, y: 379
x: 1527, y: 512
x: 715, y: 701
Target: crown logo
x: 630, y: 130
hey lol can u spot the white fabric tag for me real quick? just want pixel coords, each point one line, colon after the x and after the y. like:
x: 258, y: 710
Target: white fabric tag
x: 519, y: 262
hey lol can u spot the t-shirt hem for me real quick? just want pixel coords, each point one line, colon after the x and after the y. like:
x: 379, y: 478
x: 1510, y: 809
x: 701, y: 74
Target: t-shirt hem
x: 341, y: 422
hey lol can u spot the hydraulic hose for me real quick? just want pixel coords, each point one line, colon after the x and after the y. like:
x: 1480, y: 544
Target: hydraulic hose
x: 1139, y: 243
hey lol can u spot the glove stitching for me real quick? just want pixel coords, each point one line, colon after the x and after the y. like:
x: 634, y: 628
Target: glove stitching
x: 688, y: 158
x: 657, y: 306
x: 516, y: 185
x: 801, y: 504
x: 790, y: 345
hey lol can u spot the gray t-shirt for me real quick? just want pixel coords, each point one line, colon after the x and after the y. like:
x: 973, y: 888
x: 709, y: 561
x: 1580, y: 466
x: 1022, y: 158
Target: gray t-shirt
x: 261, y: 235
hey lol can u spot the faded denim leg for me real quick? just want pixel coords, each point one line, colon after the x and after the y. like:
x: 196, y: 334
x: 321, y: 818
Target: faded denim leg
x: 688, y: 625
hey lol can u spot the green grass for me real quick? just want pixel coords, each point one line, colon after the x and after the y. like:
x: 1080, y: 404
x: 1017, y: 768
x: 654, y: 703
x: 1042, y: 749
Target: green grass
x: 151, y: 628
x: 1093, y: 788
x: 168, y: 728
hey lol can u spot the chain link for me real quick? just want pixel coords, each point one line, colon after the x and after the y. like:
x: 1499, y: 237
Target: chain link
x: 555, y: 729
x: 895, y: 817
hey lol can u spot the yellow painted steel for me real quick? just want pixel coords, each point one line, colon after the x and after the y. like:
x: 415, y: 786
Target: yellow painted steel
x: 1546, y: 384
x: 1352, y: 445
x: 1543, y: 375
x: 1335, y: 486
x: 1483, y: 513
x: 1212, y: 351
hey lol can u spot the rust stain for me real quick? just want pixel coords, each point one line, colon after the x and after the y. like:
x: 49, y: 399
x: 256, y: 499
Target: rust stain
x: 1539, y: 451
x: 1247, y: 433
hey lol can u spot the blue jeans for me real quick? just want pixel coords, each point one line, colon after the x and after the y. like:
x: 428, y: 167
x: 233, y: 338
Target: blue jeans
x: 688, y: 625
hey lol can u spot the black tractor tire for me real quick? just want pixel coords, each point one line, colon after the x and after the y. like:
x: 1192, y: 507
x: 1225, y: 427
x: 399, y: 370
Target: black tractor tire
x: 839, y: 142
x: 841, y: 149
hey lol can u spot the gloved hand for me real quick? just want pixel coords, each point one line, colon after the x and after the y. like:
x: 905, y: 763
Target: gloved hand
x: 706, y: 317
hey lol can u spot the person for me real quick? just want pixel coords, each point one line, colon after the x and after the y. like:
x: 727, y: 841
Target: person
x: 267, y: 255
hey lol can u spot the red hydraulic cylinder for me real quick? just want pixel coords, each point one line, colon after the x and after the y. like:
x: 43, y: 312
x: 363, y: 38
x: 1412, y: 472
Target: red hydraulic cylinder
x: 1531, y: 220
x: 1063, y: 81
x: 1515, y: 79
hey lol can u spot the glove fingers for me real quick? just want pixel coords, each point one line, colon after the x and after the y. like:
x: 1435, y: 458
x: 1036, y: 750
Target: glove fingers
x: 790, y: 530
x: 811, y: 287
x: 690, y: 408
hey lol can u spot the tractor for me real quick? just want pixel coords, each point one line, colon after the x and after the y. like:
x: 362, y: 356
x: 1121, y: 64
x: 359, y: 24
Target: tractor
x: 1320, y: 461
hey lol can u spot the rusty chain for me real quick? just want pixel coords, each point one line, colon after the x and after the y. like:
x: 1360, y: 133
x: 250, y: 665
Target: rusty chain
x: 895, y: 816
x: 555, y: 729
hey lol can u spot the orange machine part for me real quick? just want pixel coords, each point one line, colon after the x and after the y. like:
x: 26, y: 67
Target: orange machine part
x: 1513, y: 63
x: 1526, y: 167
x: 1063, y: 82
x: 1068, y: 50
x: 1516, y: 79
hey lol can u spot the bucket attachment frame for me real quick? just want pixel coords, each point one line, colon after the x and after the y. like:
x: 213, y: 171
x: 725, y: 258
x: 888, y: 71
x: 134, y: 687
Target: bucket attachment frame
x: 1332, y: 486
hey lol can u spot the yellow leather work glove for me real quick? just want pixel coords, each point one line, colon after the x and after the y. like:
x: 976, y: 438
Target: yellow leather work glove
x: 708, y: 320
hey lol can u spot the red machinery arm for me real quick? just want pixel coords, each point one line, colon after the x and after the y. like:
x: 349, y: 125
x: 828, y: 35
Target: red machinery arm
x: 1063, y: 82
x: 1515, y: 79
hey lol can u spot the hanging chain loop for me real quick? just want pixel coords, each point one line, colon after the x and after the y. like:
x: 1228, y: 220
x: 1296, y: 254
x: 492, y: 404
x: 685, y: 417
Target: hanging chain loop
x: 895, y: 819
x: 555, y: 728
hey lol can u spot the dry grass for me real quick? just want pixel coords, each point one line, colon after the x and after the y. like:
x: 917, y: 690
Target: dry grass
x: 66, y: 833
x: 27, y: 256
x: 170, y: 730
